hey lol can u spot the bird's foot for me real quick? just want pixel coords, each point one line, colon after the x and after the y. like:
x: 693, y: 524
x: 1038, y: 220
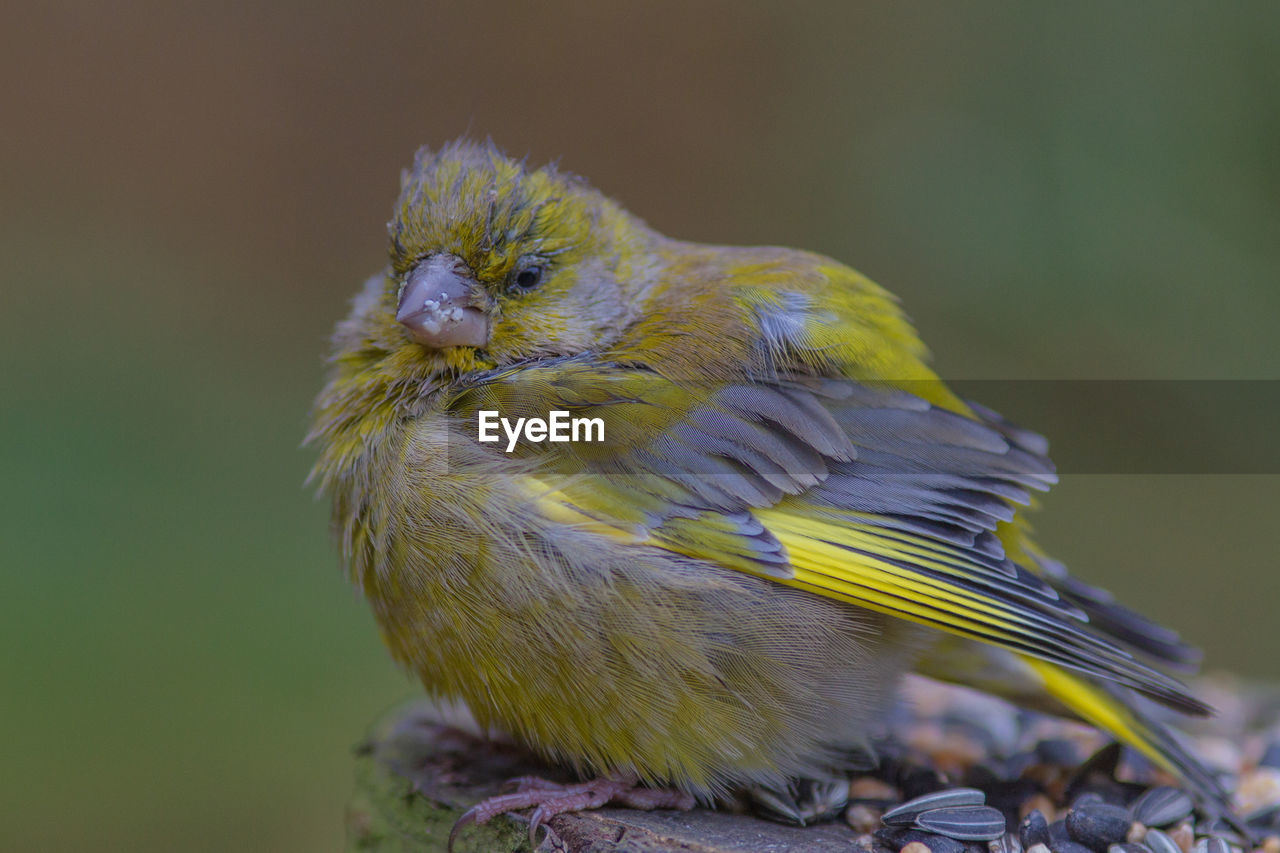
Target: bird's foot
x: 548, y: 799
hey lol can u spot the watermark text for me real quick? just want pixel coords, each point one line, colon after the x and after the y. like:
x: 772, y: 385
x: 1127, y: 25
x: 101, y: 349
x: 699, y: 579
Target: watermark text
x: 559, y: 426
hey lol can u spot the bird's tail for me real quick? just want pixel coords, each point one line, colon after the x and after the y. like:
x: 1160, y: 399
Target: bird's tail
x: 1107, y: 709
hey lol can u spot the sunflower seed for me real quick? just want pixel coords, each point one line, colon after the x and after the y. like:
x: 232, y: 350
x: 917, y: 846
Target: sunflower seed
x: 1098, y: 825
x: 1219, y: 827
x: 905, y: 814
x: 964, y: 823
x: 1034, y: 829
x: 1127, y: 847
x: 1160, y: 843
x: 1162, y: 806
x: 1212, y: 844
x: 1271, y: 756
x: 802, y: 802
x: 1007, y: 843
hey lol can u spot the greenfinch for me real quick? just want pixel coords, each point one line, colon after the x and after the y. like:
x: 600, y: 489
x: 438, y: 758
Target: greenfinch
x: 773, y: 510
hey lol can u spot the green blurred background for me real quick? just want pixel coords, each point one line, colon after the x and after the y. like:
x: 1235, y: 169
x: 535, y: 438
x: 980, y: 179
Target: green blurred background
x: 190, y: 192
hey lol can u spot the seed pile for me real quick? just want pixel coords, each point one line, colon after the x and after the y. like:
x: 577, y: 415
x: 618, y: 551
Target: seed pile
x: 963, y: 773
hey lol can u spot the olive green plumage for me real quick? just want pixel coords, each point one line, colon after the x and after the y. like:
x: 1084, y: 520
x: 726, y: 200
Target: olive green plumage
x: 789, y: 509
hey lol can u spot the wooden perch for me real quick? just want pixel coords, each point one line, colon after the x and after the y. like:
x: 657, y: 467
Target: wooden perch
x: 417, y: 774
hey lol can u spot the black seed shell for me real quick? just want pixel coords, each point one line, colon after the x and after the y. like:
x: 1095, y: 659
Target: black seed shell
x: 897, y: 838
x: 1058, y: 751
x: 1034, y: 829
x: 1098, y: 825
x: 1069, y: 847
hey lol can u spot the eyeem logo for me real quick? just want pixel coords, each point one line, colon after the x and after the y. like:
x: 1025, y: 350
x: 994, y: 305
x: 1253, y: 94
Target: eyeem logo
x: 558, y: 426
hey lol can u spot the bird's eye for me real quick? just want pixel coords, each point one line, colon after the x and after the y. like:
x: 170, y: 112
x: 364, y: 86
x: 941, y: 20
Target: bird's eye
x: 528, y: 277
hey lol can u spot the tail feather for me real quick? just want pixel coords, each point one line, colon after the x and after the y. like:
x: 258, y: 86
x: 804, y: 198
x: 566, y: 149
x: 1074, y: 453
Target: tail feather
x: 1106, y: 708
x: 1157, y: 643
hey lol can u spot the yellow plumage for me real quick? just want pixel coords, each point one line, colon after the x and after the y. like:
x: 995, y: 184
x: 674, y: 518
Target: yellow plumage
x: 789, y: 508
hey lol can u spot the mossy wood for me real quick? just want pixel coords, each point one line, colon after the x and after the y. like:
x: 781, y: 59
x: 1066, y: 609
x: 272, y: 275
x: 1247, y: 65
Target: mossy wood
x: 415, y: 777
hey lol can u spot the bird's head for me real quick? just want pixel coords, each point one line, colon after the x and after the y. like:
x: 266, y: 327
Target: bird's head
x: 493, y: 263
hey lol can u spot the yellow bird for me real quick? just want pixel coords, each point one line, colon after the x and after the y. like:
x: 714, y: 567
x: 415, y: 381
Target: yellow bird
x: 779, y: 511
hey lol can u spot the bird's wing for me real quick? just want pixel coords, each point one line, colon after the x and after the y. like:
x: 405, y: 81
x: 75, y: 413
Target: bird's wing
x: 1155, y: 642
x: 861, y: 493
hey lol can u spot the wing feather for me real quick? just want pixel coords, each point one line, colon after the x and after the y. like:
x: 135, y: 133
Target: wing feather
x: 855, y: 491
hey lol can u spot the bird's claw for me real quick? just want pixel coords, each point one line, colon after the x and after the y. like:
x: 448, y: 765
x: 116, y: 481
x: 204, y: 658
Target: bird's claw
x: 468, y: 818
x: 549, y: 799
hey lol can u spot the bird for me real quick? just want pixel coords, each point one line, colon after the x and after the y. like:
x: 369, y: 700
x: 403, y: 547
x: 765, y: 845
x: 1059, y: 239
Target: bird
x: 787, y: 511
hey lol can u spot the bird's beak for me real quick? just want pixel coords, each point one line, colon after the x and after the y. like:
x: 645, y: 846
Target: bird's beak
x: 438, y: 305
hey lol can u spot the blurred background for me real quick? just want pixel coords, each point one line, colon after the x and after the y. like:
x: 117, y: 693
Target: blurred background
x: 190, y: 193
